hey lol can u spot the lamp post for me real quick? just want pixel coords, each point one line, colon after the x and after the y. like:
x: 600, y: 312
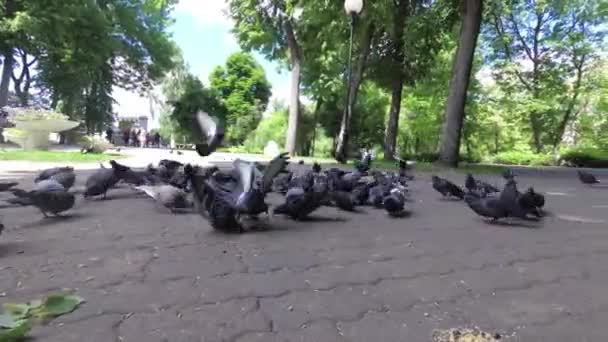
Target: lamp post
x: 352, y: 8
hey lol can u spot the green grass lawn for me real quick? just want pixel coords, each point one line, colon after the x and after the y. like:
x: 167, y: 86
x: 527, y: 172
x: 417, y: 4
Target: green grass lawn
x: 50, y: 156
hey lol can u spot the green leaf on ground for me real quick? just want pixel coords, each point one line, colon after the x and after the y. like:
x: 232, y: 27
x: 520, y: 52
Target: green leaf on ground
x: 56, y: 305
x: 18, y: 311
x: 18, y: 332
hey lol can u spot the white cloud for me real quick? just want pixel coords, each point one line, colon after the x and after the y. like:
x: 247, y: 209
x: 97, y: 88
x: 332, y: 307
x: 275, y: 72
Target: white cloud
x: 207, y: 12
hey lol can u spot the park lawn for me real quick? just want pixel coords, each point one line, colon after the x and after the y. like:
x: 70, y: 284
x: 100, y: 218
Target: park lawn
x: 54, y: 156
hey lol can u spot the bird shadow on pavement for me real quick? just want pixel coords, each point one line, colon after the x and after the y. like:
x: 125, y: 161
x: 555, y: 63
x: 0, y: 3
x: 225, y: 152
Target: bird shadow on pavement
x: 516, y: 223
x: 9, y: 248
x: 55, y: 220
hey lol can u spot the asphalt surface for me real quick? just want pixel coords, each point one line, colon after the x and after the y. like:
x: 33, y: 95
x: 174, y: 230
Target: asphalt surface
x: 148, y: 275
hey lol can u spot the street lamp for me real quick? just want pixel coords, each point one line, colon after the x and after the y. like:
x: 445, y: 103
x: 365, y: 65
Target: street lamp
x: 352, y: 8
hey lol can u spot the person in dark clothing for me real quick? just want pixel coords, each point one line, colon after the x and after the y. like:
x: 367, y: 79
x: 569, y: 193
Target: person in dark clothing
x: 109, y: 133
x: 157, y: 139
x: 125, y: 136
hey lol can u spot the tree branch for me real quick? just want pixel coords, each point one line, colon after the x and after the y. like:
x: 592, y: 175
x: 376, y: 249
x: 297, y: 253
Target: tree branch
x: 499, y: 26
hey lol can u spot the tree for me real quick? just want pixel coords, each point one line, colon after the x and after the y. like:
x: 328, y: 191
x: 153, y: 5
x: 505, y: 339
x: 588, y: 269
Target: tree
x: 341, y: 152
x: 77, y: 44
x: 271, y: 27
x: 542, y: 51
x: 459, y: 84
x: 245, y: 92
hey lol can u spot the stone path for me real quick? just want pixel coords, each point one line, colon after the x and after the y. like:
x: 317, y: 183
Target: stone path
x: 151, y: 276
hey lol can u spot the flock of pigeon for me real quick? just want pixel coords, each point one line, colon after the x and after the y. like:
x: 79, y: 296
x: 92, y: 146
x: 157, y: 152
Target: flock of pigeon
x: 229, y: 199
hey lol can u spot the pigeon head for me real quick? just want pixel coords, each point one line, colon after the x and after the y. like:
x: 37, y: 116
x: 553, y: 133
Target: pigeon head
x: 316, y: 167
x: 118, y: 167
x: 435, y: 178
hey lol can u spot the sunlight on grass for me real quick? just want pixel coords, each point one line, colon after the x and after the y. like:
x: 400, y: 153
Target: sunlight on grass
x: 50, y: 156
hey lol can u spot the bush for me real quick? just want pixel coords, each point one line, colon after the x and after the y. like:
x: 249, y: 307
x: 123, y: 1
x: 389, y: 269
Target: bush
x: 523, y: 158
x: 95, y: 144
x: 584, y: 157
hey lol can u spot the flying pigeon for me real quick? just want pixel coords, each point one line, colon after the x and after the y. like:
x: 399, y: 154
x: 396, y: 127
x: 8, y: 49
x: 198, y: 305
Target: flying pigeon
x: 447, y: 188
x: 587, y: 178
x: 212, y: 132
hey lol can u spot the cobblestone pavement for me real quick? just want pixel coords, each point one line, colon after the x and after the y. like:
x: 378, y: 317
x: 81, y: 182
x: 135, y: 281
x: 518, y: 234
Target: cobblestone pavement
x: 151, y: 276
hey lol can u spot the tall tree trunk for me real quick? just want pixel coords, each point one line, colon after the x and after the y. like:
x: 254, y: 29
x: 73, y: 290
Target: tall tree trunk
x: 392, y: 126
x: 5, y: 80
x: 355, y: 82
x: 461, y: 74
x: 295, y: 56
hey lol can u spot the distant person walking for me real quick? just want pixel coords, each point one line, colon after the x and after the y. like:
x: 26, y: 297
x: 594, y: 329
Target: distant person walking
x: 109, y: 133
x: 142, y: 137
x: 134, y: 137
x: 125, y: 136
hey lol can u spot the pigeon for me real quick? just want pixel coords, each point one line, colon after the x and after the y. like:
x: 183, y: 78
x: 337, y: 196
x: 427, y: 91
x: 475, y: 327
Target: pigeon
x: 65, y: 178
x: 394, y: 203
x: 169, y: 196
x: 1, y: 228
x: 403, y: 169
x: 240, y: 193
x: 46, y: 174
x: 211, y: 130
x: 23, y: 197
x: 316, y: 167
x: 517, y: 205
x: 301, y: 202
x: 489, y: 207
x: 481, y: 189
x: 532, y: 200
x: 54, y: 202
x: 343, y: 200
x: 587, y: 178
x: 508, y: 174
x: 376, y: 196
x: 103, y: 179
x: 5, y: 186
x: 447, y: 188
x: 364, y: 164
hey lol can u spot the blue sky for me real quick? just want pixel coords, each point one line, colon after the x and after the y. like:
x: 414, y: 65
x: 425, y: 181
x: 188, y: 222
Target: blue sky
x: 202, y: 31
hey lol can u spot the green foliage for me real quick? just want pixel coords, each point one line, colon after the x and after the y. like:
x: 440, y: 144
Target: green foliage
x: 244, y: 90
x: 83, y: 48
x: 585, y: 157
x: 16, y: 320
x: 523, y: 158
x: 58, y: 157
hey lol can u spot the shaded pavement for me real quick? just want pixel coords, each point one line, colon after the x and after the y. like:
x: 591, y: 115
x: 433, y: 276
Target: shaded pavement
x: 152, y: 276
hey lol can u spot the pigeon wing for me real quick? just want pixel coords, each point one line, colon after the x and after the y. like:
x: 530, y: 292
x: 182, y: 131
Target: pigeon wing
x: 275, y: 166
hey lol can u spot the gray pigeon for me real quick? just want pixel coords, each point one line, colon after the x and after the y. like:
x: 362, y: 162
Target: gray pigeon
x: 301, y: 201
x: 65, y: 178
x: 394, y: 203
x: 23, y: 197
x: 46, y: 174
x: 103, y: 179
x: 54, y: 202
x: 167, y: 195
